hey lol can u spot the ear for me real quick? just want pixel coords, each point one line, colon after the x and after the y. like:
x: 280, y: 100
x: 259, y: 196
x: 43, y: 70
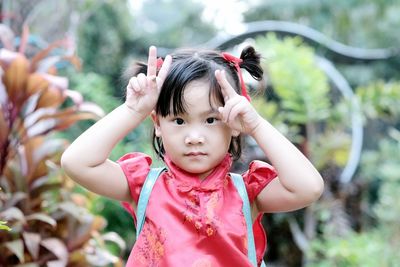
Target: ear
x: 156, y: 123
x: 235, y: 133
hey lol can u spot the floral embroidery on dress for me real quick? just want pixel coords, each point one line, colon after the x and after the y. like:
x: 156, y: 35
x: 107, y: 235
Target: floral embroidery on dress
x: 150, y: 245
x: 201, y: 213
x: 210, y: 207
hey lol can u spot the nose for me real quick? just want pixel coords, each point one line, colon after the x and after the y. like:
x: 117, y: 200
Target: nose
x: 194, y: 137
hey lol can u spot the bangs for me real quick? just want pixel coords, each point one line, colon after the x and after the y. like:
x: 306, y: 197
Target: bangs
x: 215, y: 96
x: 171, y: 99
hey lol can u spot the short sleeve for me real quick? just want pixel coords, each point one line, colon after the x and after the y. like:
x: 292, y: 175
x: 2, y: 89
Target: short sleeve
x: 136, y: 167
x: 259, y: 175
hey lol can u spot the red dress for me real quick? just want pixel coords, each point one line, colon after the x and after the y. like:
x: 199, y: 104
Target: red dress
x: 193, y: 222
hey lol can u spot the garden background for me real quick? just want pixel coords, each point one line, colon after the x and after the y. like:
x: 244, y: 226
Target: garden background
x: 332, y: 86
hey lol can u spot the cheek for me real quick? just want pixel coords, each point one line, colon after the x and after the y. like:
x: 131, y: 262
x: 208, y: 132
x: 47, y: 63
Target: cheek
x: 171, y: 136
x: 165, y: 128
x: 223, y: 134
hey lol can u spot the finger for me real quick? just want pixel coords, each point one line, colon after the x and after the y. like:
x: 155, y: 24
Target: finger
x: 232, y: 103
x: 228, y: 107
x: 135, y: 85
x: 129, y: 91
x: 162, y: 74
x: 142, y: 80
x: 226, y: 87
x: 130, y: 83
x: 152, y: 62
x: 235, y: 111
x: 222, y: 111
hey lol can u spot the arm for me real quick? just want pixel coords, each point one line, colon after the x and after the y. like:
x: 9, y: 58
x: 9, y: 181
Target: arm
x: 299, y: 183
x: 86, y: 159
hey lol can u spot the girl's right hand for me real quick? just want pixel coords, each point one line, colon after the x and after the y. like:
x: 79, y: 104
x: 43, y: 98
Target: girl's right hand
x: 143, y: 90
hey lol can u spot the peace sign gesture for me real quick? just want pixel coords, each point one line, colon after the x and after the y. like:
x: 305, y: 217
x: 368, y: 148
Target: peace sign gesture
x: 143, y: 90
x: 237, y: 112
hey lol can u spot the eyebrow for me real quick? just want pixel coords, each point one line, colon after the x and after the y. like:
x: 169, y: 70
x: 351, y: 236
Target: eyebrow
x: 210, y: 111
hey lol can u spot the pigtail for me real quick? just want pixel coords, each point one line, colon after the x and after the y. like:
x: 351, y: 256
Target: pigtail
x: 133, y: 70
x: 251, y: 62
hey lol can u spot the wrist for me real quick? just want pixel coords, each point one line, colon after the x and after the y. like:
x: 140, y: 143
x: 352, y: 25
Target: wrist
x: 133, y: 112
x: 257, y: 126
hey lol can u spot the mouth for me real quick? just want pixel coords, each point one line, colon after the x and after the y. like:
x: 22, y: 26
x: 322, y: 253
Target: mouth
x: 195, y: 154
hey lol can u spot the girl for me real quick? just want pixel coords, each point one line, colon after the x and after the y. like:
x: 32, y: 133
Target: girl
x: 199, y: 105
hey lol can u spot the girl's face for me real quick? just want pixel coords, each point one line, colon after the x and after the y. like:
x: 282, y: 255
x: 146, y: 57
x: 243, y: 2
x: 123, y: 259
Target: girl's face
x: 196, y: 141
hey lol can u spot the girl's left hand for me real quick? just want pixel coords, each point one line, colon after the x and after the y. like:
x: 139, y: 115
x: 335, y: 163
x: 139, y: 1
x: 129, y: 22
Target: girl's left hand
x: 237, y: 112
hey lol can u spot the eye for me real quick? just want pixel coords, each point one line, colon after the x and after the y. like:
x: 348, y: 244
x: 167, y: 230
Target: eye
x: 211, y: 120
x: 179, y: 121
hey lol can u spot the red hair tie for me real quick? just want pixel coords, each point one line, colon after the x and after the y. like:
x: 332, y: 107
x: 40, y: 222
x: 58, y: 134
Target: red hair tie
x: 236, y: 61
x: 160, y: 62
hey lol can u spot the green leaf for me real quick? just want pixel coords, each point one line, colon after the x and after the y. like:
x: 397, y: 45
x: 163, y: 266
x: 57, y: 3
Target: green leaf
x: 115, y: 238
x: 3, y: 226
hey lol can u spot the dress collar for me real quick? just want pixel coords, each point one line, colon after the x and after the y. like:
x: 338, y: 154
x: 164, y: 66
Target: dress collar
x: 188, y: 181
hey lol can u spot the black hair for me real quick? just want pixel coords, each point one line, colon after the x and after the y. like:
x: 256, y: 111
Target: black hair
x: 193, y: 65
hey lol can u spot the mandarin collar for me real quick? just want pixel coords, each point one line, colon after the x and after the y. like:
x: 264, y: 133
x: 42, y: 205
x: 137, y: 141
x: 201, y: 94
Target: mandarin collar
x: 186, y: 181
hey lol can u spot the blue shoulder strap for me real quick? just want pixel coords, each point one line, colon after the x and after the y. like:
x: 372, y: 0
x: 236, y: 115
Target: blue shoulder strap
x: 241, y: 188
x: 144, y: 197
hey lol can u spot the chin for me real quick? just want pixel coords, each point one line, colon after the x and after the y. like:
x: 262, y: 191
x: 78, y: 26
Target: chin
x: 197, y: 170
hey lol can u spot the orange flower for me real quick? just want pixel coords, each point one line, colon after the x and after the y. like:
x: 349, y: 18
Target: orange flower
x: 198, y: 225
x: 210, y: 231
x: 188, y: 217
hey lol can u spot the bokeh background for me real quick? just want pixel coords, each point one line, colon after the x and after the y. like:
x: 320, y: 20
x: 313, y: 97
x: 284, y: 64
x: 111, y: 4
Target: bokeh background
x: 332, y: 86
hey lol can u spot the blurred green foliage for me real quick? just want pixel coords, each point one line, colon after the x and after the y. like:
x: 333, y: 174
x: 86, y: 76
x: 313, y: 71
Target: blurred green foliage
x: 172, y: 24
x: 302, y: 106
x: 103, y: 40
x: 379, y: 239
x: 300, y: 85
x: 380, y: 100
x: 358, y: 23
x: 376, y: 245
